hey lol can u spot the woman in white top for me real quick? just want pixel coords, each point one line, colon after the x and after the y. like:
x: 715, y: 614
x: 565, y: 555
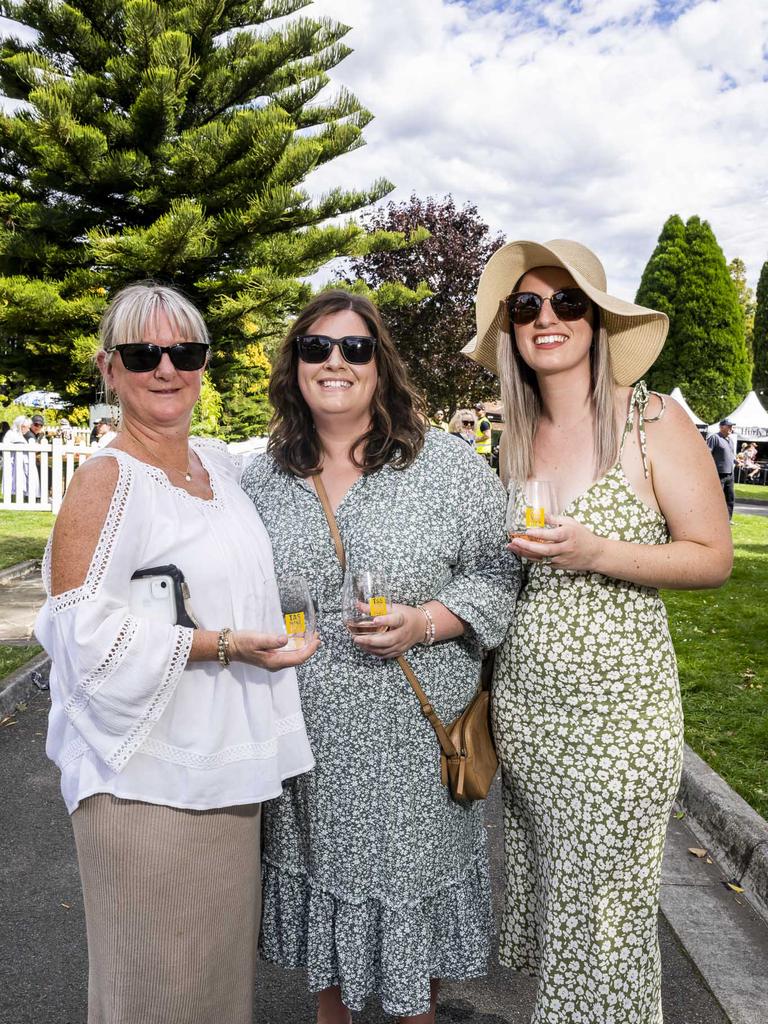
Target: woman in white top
x: 24, y: 476
x: 168, y: 737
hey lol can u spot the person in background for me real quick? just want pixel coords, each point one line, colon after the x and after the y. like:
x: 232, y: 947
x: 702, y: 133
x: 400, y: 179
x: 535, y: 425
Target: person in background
x: 64, y: 430
x: 37, y: 429
x: 723, y: 453
x: 482, y: 432
x: 747, y: 460
x: 5, y: 426
x: 169, y: 735
x: 463, y: 425
x: 438, y: 420
x: 375, y: 878
x: 105, y: 434
x: 587, y: 712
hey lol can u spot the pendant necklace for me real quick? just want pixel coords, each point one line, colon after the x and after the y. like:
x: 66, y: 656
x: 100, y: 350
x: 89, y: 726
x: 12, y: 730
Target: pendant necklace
x: 187, y: 475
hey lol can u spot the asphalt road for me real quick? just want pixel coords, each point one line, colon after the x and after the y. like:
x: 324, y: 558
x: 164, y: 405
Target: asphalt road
x: 43, y: 957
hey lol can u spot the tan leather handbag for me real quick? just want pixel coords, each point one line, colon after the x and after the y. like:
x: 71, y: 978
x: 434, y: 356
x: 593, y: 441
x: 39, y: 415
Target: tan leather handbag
x: 468, y: 760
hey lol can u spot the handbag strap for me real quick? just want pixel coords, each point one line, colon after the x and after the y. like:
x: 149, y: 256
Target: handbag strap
x: 426, y: 708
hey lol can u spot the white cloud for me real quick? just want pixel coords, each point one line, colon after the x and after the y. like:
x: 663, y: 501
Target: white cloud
x: 594, y: 123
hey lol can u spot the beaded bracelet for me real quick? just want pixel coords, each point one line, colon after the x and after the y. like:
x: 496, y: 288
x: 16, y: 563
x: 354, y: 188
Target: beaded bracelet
x: 429, y: 630
x: 222, y: 647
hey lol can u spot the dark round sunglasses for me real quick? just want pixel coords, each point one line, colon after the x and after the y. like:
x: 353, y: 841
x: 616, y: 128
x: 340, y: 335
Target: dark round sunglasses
x: 316, y: 348
x: 567, y: 304
x: 143, y: 356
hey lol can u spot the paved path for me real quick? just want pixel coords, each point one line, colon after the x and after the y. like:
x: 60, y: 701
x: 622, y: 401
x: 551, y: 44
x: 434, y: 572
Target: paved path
x: 43, y: 959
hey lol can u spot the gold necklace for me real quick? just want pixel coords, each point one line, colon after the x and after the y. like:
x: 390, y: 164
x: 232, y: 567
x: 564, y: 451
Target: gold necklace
x: 187, y: 475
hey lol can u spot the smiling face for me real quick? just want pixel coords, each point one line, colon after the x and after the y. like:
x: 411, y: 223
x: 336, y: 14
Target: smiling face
x: 335, y: 389
x: 549, y: 345
x: 163, y: 397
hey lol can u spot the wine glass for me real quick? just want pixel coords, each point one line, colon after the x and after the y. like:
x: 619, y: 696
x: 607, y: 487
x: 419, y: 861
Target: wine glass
x: 527, y: 508
x: 365, y: 596
x: 298, y: 611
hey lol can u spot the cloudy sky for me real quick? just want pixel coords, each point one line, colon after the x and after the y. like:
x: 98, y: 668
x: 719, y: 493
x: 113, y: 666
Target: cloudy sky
x: 588, y: 119
x: 585, y: 119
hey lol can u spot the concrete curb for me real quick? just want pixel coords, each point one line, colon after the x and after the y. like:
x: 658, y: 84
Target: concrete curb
x: 13, y: 572
x: 731, y: 830
x: 20, y: 685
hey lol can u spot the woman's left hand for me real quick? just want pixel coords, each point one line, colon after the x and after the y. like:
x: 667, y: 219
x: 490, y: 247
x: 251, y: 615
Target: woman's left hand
x: 405, y: 627
x: 568, y: 545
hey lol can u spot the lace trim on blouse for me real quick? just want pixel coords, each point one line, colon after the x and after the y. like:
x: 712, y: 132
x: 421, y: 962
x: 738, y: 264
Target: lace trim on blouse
x: 173, y: 669
x: 89, y: 588
x: 85, y: 689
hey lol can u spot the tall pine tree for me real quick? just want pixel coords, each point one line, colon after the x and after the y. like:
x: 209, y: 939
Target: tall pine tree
x: 705, y: 354
x: 760, y: 337
x: 168, y: 140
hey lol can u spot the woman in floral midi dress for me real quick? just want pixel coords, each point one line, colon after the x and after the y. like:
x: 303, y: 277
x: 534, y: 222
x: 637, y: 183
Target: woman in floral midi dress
x: 375, y: 879
x: 587, y: 710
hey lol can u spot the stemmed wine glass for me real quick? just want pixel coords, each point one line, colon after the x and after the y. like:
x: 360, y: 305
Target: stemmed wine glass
x: 365, y: 596
x: 527, y: 508
x: 298, y: 611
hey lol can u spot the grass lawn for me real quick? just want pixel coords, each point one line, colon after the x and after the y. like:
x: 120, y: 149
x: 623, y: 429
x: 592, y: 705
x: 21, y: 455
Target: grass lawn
x: 23, y: 535
x: 752, y: 492
x: 721, y: 639
x: 12, y: 657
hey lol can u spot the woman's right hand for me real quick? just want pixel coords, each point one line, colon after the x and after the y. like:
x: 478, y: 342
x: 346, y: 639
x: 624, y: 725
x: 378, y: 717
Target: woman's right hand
x: 267, y: 650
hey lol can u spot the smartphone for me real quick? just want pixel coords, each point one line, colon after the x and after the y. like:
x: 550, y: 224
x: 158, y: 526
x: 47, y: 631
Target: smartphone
x: 161, y: 593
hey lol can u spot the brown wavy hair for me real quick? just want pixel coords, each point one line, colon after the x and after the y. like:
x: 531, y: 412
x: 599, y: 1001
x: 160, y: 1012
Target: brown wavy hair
x: 398, y: 412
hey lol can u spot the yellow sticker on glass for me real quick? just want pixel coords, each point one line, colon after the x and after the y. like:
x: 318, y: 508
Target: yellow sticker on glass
x: 378, y: 606
x: 294, y: 623
x: 534, y: 517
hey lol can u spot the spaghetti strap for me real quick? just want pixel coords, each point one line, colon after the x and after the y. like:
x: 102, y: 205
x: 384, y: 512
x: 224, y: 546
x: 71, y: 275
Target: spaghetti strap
x: 639, y: 400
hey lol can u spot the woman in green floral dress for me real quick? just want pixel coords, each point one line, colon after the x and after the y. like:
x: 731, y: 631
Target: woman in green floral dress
x: 586, y: 702
x: 375, y: 879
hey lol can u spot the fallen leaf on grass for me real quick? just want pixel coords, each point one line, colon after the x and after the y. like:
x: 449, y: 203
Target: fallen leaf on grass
x: 708, y: 860
x: 679, y: 815
x: 66, y: 905
x: 697, y: 851
x: 7, y: 720
x: 733, y: 885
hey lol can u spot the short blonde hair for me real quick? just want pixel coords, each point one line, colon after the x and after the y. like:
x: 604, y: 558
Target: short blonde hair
x: 135, y: 306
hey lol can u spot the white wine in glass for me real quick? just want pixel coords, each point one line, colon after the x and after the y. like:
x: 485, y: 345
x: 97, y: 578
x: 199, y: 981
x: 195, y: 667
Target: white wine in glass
x: 528, y: 507
x: 364, y: 598
x: 298, y: 611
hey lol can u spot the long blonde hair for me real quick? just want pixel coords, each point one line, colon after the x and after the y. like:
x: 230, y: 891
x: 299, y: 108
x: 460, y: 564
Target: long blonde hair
x: 522, y: 404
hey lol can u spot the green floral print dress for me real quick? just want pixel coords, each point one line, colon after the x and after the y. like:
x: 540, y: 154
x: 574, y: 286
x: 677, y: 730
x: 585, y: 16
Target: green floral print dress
x: 589, y: 728
x: 374, y: 878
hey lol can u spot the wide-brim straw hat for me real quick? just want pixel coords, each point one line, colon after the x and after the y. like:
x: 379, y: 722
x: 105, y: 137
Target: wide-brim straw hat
x: 636, y: 334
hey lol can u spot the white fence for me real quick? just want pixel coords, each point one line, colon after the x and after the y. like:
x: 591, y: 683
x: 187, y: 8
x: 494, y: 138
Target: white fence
x: 35, y: 478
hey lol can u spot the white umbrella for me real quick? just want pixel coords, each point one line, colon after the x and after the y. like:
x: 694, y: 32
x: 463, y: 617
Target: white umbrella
x: 42, y: 400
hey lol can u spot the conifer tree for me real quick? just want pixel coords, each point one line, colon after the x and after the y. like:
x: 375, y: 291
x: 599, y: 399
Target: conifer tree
x: 705, y: 354
x: 760, y: 337
x: 168, y: 140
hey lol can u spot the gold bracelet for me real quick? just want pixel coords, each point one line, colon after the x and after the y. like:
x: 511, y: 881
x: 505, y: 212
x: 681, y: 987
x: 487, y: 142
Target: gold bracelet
x: 429, y: 631
x: 222, y: 647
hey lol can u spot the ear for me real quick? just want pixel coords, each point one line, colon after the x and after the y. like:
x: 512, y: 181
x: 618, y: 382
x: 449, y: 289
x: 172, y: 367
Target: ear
x: 105, y: 368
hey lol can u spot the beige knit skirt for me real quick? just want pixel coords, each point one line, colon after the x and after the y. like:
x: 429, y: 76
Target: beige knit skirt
x: 172, y: 906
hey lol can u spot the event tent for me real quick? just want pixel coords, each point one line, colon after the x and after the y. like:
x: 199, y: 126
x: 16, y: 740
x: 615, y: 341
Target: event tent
x: 677, y: 394
x: 750, y: 420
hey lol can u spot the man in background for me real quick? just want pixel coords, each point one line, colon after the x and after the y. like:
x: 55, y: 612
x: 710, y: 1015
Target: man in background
x: 482, y: 432
x: 725, y: 458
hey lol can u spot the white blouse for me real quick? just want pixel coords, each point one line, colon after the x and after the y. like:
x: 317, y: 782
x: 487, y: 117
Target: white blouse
x: 130, y: 716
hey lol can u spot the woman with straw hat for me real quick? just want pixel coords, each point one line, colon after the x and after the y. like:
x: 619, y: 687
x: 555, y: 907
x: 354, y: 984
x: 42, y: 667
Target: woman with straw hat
x: 587, y: 708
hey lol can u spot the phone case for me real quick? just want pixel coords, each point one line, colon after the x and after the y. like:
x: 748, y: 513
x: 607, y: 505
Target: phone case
x: 161, y: 593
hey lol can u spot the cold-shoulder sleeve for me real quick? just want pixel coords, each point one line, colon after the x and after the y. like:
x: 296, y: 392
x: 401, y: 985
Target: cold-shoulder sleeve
x: 486, y: 579
x: 113, y: 672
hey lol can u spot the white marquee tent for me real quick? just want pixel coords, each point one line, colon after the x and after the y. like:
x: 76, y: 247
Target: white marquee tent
x: 677, y: 394
x: 750, y: 420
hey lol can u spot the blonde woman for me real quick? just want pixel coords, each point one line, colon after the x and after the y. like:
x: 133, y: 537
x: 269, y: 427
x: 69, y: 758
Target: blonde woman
x: 168, y: 735
x: 586, y: 701
x: 463, y: 425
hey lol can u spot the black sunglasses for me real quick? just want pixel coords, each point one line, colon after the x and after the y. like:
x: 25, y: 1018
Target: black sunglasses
x: 567, y: 304
x: 142, y: 356
x: 316, y: 348
x: 467, y: 423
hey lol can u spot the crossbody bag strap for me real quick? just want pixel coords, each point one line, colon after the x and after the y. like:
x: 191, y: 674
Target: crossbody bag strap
x: 426, y: 708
